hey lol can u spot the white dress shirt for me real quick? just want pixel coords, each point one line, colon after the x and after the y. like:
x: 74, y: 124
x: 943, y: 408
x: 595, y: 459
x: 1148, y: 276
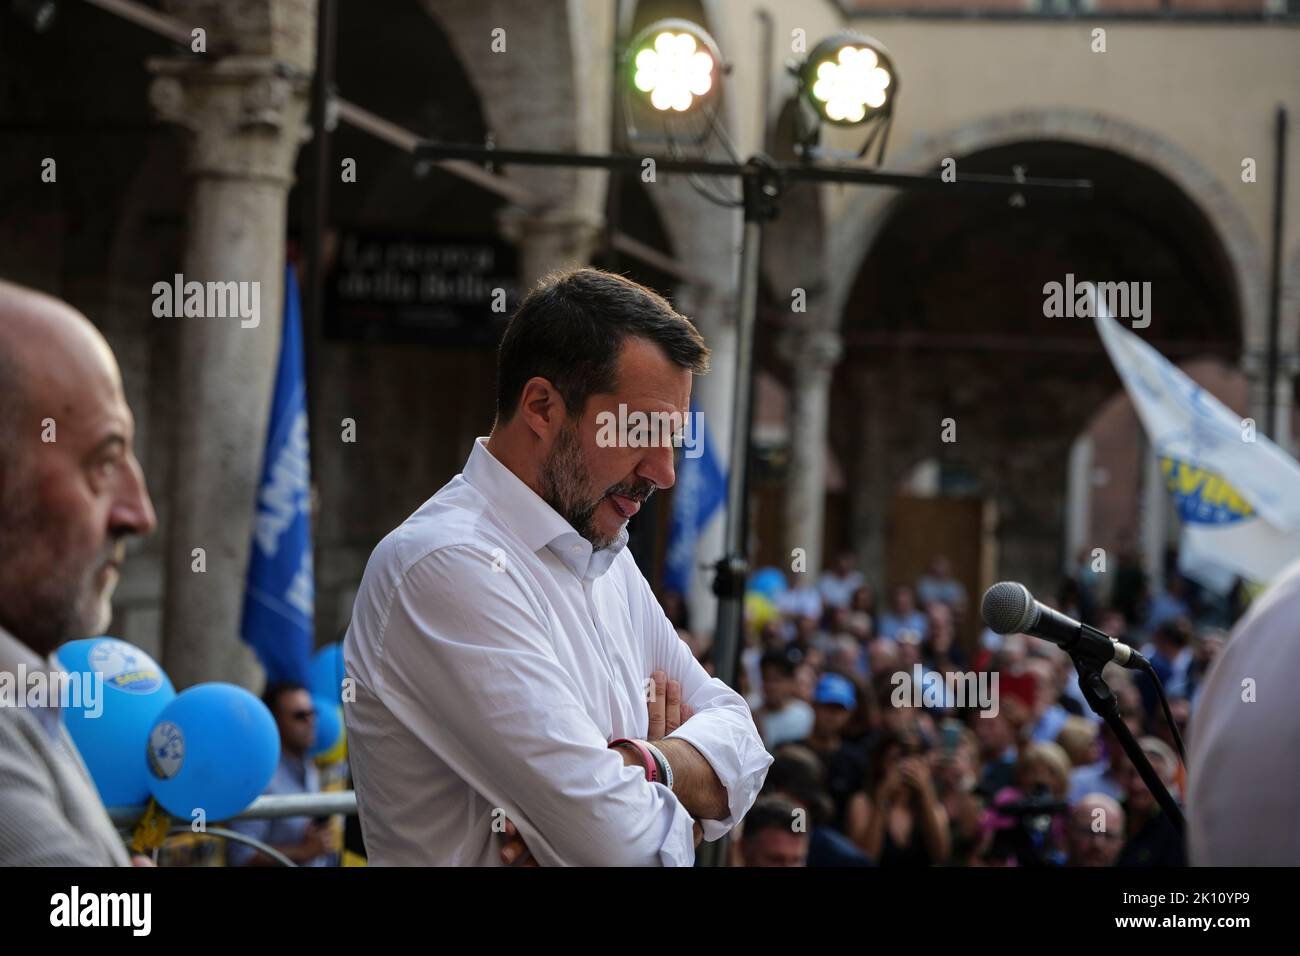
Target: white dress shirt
x: 494, y: 657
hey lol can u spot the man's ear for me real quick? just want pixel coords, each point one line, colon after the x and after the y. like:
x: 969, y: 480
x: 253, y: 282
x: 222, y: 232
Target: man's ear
x: 541, y: 407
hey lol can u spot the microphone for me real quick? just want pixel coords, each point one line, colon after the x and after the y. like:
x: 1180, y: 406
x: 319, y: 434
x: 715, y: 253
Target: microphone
x: 1009, y: 608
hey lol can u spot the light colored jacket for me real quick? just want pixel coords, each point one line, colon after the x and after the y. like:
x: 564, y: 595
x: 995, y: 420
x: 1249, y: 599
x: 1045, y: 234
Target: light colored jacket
x: 1243, y: 797
x: 50, y: 811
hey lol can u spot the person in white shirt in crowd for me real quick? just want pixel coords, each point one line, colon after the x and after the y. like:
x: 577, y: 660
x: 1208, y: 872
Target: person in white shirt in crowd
x: 903, y: 615
x: 939, y: 586
x: 504, y: 643
x: 800, y: 606
x: 839, y: 582
x: 784, y: 716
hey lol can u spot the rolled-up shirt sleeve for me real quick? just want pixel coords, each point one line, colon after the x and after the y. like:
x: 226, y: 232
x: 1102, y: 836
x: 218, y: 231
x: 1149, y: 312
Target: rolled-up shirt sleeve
x: 722, y: 727
x: 469, y: 668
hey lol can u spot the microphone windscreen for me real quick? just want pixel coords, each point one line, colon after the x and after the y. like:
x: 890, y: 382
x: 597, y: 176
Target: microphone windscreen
x: 1008, y: 607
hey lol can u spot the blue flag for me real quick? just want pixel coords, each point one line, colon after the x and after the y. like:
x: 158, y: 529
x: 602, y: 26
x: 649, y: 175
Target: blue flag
x: 279, y: 606
x: 700, y: 490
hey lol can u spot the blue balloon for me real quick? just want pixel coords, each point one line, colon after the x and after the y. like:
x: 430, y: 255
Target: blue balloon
x: 215, y: 748
x: 770, y: 582
x: 122, y: 690
x: 326, y: 678
x: 329, y: 725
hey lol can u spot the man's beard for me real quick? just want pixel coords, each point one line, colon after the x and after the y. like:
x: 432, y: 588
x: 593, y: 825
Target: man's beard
x: 44, y: 599
x: 564, y: 481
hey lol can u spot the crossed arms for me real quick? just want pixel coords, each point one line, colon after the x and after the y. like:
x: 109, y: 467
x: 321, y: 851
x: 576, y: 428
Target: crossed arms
x: 477, y: 681
x: 695, y: 783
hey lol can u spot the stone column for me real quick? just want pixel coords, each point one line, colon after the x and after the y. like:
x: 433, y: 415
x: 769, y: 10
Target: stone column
x: 549, y: 241
x: 871, y: 494
x: 812, y: 354
x: 244, y: 115
x: 713, y: 311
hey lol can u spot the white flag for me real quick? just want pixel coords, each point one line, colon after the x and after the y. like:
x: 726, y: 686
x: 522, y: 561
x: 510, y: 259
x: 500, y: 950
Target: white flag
x: 1237, y: 493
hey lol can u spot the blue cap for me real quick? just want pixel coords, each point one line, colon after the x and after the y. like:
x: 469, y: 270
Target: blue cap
x: 836, y: 689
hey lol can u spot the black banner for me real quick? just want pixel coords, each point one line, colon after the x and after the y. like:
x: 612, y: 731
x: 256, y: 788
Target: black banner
x: 397, y: 288
x: 332, y: 906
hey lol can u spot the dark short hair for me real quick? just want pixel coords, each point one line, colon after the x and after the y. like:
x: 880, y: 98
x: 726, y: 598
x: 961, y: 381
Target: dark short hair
x: 798, y: 772
x: 907, y: 739
x: 770, y: 812
x: 274, y: 691
x: 570, y: 331
x: 1176, y: 630
x: 787, y: 660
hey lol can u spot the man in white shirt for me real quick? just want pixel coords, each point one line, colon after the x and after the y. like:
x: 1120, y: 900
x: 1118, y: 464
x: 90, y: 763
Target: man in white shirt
x: 503, y: 639
x: 839, y: 583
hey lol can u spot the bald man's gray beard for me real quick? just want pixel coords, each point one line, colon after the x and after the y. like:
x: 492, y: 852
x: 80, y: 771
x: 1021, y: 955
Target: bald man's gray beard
x: 47, y: 599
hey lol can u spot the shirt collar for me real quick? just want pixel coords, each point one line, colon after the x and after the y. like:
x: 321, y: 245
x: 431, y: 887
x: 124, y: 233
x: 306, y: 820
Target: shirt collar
x: 535, y: 522
x: 15, y: 654
x: 294, y: 765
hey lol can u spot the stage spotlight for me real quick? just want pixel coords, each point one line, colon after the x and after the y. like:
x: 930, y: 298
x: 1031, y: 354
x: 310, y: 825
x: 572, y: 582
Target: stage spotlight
x: 849, y: 78
x: 675, y: 65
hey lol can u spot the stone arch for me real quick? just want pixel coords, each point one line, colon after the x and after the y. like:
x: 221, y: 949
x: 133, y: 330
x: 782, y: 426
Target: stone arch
x: 555, y: 97
x: 856, y: 228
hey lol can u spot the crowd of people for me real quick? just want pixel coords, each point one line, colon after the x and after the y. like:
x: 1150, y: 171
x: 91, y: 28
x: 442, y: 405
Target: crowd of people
x: 863, y: 776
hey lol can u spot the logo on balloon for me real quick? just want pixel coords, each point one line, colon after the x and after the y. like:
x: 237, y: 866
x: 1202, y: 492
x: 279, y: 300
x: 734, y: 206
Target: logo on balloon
x: 166, y: 750
x: 125, y: 668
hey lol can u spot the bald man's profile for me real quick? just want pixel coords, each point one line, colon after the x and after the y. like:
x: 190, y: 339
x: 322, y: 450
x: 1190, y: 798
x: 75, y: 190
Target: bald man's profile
x: 71, y: 493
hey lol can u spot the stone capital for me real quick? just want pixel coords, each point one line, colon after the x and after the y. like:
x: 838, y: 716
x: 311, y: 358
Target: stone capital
x: 283, y: 30
x: 811, y: 350
x: 1254, y: 363
x: 549, y: 239
x: 246, y: 114
x: 521, y: 225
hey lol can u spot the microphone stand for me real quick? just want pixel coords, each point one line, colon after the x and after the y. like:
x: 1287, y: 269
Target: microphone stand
x: 1105, y: 705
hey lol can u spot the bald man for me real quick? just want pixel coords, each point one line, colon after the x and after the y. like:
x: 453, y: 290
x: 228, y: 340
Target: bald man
x: 1096, y: 831
x: 71, y: 493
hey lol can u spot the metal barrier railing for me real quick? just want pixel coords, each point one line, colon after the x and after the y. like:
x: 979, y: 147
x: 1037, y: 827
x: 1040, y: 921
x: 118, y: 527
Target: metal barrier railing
x: 270, y: 807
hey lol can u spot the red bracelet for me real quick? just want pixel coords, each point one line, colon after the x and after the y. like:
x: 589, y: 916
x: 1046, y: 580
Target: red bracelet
x: 647, y: 759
